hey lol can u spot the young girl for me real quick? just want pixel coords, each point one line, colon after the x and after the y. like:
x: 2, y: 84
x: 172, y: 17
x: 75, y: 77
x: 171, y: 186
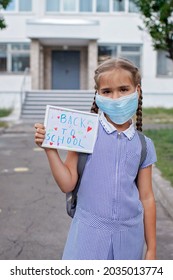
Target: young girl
x: 115, y: 213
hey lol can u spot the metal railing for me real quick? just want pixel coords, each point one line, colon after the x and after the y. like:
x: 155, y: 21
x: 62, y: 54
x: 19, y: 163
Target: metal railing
x: 22, y: 88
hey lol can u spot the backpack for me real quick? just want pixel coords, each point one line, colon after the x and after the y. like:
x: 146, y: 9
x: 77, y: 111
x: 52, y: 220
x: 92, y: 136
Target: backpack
x: 71, y: 197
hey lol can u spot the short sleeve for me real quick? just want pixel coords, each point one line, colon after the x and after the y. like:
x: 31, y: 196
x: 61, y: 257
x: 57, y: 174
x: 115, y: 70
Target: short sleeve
x: 151, y: 156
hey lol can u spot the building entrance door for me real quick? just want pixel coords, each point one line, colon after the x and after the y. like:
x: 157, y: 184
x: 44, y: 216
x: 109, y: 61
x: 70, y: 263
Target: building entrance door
x: 65, y: 69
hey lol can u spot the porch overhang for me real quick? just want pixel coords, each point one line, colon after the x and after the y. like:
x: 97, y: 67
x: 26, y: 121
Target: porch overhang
x: 63, y: 31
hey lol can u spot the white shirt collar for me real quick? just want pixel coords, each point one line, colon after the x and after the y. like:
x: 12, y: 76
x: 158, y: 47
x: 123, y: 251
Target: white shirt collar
x: 109, y: 128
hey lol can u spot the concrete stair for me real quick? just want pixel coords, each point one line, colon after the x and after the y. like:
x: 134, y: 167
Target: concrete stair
x: 34, y: 104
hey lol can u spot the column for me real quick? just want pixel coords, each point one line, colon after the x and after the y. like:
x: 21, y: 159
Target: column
x: 35, y: 64
x: 92, y: 62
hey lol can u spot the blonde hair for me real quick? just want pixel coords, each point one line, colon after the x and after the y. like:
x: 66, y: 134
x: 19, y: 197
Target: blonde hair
x: 120, y: 63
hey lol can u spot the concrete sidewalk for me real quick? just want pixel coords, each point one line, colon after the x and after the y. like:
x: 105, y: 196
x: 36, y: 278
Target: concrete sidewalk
x: 162, y: 189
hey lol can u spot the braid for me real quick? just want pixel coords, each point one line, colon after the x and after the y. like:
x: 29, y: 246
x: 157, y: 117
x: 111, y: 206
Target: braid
x: 139, y: 113
x: 94, y: 107
x: 120, y: 63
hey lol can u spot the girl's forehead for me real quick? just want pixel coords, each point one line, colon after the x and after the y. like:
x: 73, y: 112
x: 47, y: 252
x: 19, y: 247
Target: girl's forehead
x: 116, y: 76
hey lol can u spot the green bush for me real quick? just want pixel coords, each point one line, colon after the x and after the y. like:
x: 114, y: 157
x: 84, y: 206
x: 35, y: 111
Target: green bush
x: 5, y: 112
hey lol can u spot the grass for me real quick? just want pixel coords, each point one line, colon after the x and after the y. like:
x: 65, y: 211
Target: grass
x: 163, y: 141
x: 158, y: 115
x: 3, y: 124
x: 163, y: 138
x: 4, y: 113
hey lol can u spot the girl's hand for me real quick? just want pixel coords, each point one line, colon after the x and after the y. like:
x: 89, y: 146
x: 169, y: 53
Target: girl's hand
x: 150, y: 255
x: 39, y: 134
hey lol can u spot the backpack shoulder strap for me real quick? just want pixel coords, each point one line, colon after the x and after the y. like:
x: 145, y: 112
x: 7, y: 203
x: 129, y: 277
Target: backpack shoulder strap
x: 144, y: 147
x: 71, y: 197
x: 80, y: 168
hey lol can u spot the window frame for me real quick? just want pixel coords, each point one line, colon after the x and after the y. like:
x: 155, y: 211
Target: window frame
x: 125, y: 7
x: 5, y: 56
x: 120, y: 53
x: 103, y: 12
x: 93, y: 10
x: 25, y: 11
x: 61, y: 9
x: 16, y: 9
x: 49, y: 12
x: 10, y: 53
x: 85, y: 11
x: 62, y: 4
x: 131, y: 12
x: 164, y: 76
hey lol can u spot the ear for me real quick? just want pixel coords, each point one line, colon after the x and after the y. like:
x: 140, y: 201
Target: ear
x: 138, y: 89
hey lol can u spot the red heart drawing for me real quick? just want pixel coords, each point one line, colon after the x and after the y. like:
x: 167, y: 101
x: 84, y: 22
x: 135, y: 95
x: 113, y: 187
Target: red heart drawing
x: 58, y: 117
x: 89, y: 128
x: 55, y: 128
x: 51, y: 143
x: 73, y: 136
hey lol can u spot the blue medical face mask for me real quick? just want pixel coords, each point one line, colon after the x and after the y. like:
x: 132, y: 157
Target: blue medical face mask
x: 119, y: 110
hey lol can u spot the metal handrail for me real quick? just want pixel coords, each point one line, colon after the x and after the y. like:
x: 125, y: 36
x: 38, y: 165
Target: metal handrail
x: 22, y: 88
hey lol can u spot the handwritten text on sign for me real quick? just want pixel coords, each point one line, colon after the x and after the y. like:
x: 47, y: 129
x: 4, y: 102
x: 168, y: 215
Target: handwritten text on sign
x: 70, y: 129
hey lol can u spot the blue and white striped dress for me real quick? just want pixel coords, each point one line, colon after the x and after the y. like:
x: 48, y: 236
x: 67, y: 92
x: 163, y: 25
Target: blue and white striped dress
x: 108, y: 222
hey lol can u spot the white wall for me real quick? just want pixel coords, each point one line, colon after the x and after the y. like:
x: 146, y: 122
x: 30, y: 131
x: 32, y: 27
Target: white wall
x: 114, y: 28
x: 14, y: 82
x: 10, y: 92
x: 119, y: 29
x: 158, y: 100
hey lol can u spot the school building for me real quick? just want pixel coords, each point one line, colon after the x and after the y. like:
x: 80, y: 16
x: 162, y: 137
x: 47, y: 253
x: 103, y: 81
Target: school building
x: 54, y: 45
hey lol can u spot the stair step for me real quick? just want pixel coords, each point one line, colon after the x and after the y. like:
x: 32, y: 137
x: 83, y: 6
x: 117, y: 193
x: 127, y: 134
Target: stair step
x: 35, y: 102
x: 59, y: 103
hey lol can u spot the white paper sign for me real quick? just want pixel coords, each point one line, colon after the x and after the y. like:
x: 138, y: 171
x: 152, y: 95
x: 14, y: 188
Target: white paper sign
x: 70, y: 129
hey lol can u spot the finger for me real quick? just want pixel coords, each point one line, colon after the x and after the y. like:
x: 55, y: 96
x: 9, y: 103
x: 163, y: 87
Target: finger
x: 39, y: 136
x: 41, y: 131
x: 38, y: 141
x: 39, y: 125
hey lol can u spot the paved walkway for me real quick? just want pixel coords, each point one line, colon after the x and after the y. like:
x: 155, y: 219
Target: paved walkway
x: 33, y: 219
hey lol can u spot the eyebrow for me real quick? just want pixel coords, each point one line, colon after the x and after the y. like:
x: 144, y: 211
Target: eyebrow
x: 102, y: 89
x: 124, y: 86
x: 120, y: 87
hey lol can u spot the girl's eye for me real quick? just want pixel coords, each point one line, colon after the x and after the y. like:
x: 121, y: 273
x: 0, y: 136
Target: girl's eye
x: 106, y: 92
x: 123, y: 90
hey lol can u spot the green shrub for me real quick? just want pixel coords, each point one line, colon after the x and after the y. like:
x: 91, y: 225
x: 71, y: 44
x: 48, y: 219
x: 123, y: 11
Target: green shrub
x: 5, y: 112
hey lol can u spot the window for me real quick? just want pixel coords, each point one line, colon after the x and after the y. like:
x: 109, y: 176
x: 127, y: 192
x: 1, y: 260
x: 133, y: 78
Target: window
x: 20, y: 46
x: 69, y: 5
x: 19, y: 62
x: 11, y: 6
x: 61, y: 5
x: 14, y: 57
x: 133, y: 8
x: 98, y: 6
x: 85, y: 6
x: 118, y: 5
x: 25, y: 5
x: 130, y: 48
x: 102, y: 6
x: 52, y: 5
x: 105, y: 52
x: 19, y: 6
x: 131, y: 52
x: 3, y: 57
x: 164, y: 64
